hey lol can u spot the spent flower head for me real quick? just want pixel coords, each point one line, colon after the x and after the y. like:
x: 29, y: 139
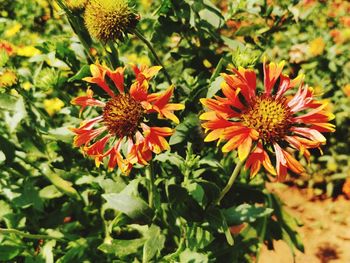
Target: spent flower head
x: 274, y: 122
x: 109, y: 20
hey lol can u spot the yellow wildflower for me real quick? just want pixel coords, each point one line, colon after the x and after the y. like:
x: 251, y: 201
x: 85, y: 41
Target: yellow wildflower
x: 138, y: 60
x: 27, y: 85
x: 27, y: 51
x: 52, y: 106
x: 146, y: 3
x: 317, y: 46
x: 8, y: 78
x: 13, y: 30
x: 207, y: 63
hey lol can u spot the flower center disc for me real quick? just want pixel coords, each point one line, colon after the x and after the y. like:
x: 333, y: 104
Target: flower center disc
x: 269, y: 117
x: 122, y: 115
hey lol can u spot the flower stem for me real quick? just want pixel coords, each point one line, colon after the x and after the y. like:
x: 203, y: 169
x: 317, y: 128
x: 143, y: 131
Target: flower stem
x: 230, y: 182
x: 150, y: 176
x: 113, y: 55
x: 149, y: 45
x: 78, y: 29
x: 25, y: 235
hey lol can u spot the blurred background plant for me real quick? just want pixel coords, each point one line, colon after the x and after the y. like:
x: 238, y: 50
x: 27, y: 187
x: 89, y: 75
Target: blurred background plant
x: 55, y: 205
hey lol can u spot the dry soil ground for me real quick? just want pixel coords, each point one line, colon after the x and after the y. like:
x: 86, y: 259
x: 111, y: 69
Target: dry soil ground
x: 325, y: 231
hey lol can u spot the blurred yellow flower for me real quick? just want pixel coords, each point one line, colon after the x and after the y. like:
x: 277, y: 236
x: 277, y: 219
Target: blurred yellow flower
x: 43, y: 3
x: 146, y: 3
x: 27, y: 51
x: 13, y: 30
x: 346, y: 90
x: 138, y: 60
x: 52, y: 106
x: 27, y: 85
x: 207, y: 63
x: 14, y: 92
x: 317, y: 46
x: 8, y: 78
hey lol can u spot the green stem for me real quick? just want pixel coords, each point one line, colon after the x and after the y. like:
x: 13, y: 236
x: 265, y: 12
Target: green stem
x: 232, y: 179
x: 150, y: 176
x: 26, y: 235
x: 73, y: 21
x: 149, y: 45
x: 113, y: 56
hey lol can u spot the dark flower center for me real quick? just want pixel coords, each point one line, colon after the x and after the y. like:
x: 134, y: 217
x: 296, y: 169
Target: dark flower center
x: 122, y: 115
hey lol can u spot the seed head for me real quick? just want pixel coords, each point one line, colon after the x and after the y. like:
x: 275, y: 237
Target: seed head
x: 109, y: 19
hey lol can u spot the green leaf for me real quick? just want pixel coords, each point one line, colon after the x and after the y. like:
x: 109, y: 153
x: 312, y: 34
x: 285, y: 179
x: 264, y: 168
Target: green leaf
x: 172, y: 158
x: 47, y: 251
x: 7, y: 102
x: 122, y: 248
x: 154, y: 243
x: 14, y: 117
x: 215, y: 86
x: 63, y: 185
x: 132, y: 206
x: 8, y: 148
x: 8, y: 252
x: 50, y: 192
x: 188, y: 256
x: 60, y: 134
x: 196, y: 191
x: 288, y: 225
x: 218, y: 221
x: 183, y: 130
x: 82, y: 73
x: 245, y: 213
x: 29, y: 197
x: 5, y: 209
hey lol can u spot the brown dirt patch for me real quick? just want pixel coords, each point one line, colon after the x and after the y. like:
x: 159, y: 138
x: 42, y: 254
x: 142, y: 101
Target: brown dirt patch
x: 325, y: 231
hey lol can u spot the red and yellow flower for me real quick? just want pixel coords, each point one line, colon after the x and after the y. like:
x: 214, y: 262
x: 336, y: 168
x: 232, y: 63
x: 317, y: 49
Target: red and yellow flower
x: 272, y: 122
x: 123, y: 133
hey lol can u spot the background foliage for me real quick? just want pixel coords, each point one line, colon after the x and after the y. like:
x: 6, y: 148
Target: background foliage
x: 55, y: 205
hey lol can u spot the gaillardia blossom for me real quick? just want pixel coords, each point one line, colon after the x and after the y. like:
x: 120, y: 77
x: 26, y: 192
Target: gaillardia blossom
x: 123, y: 132
x: 273, y: 122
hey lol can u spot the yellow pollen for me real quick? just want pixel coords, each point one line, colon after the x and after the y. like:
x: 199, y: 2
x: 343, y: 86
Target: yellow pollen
x: 122, y: 115
x: 270, y: 117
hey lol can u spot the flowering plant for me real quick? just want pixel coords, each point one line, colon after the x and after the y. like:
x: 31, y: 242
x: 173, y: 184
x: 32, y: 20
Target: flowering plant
x: 156, y: 130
